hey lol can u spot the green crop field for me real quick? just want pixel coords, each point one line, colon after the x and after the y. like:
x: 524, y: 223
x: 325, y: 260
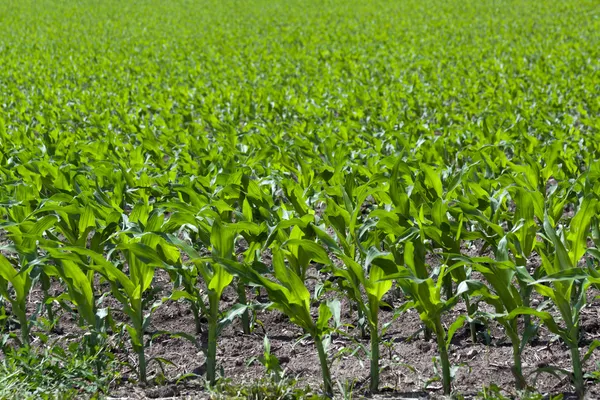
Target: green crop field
x: 299, y: 199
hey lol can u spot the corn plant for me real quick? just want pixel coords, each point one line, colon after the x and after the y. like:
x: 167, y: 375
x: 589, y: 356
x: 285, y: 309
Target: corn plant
x: 360, y: 274
x: 80, y: 292
x: 370, y: 278
x: 449, y: 233
x: 348, y: 226
x: 216, y: 279
x: 25, y: 235
x: 20, y: 281
x: 568, y: 282
x: 424, y: 288
x: 128, y: 289
x: 289, y: 295
x: 506, y: 297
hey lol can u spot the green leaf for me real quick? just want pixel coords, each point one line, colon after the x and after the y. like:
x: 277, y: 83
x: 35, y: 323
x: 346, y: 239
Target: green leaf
x: 222, y: 239
x: 579, y: 229
x: 456, y: 325
x: 432, y: 179
x: 325, y: 314
x: 593, y: 346
x: 568, y: 275
x: 86, y: 219
x: 564, y: 261
x: 220, y: 280
x: 313, y: 250
x: 545, y: 317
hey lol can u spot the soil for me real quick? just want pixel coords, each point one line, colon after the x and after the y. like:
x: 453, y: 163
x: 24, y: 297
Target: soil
x: 406, y: 357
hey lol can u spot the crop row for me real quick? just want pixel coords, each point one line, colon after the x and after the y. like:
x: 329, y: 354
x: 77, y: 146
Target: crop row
x: 368, y: 228
x: 251, y: 146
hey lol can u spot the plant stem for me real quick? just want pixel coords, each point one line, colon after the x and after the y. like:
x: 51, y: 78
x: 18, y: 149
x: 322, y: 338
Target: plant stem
x: 511, y: 329
x: 517, y: 369
x: 141, y: 357
x: 374, y: 356
x: 142, y: 368
x: 525, y: 296
x: 577, y: 368
x: 327, y: 385
x: 24, y: 327
x: 50, y: 312
x: 46, y: 289
x: 92, y: 347
x: 211, y: 353
x: 241, y: 289
x: 441, y: 339
x: 472, y: 324
x: 448, y: 286
x: 426, y: 333
x: 139, y: 349
x: 525, y: 290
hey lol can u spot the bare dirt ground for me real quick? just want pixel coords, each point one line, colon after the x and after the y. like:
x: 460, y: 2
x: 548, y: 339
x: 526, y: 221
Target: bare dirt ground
x: 406, y: 357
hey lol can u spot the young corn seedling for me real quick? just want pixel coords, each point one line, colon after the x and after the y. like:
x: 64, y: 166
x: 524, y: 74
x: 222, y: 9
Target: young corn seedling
x: 362, y: 274
x: 505, y: 297
x: 25, y: 236
x: 20, y: 281
x: 289, y: 295
x: 216, y: 278
x: 565, y: 284
x: 241, y: 189
x: 129, y: 289
x: 25, y: 231
x: 449, y: 234
x: 507, y: 274
x: 370, y: 278
x: 187, y: 276
x: 425, y: 292
x: 349, y: 226
x: 80, y: 292
x: 76, y: 219
x: 269, y: 361
x: 195, y: 221
x: 515, y: 244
